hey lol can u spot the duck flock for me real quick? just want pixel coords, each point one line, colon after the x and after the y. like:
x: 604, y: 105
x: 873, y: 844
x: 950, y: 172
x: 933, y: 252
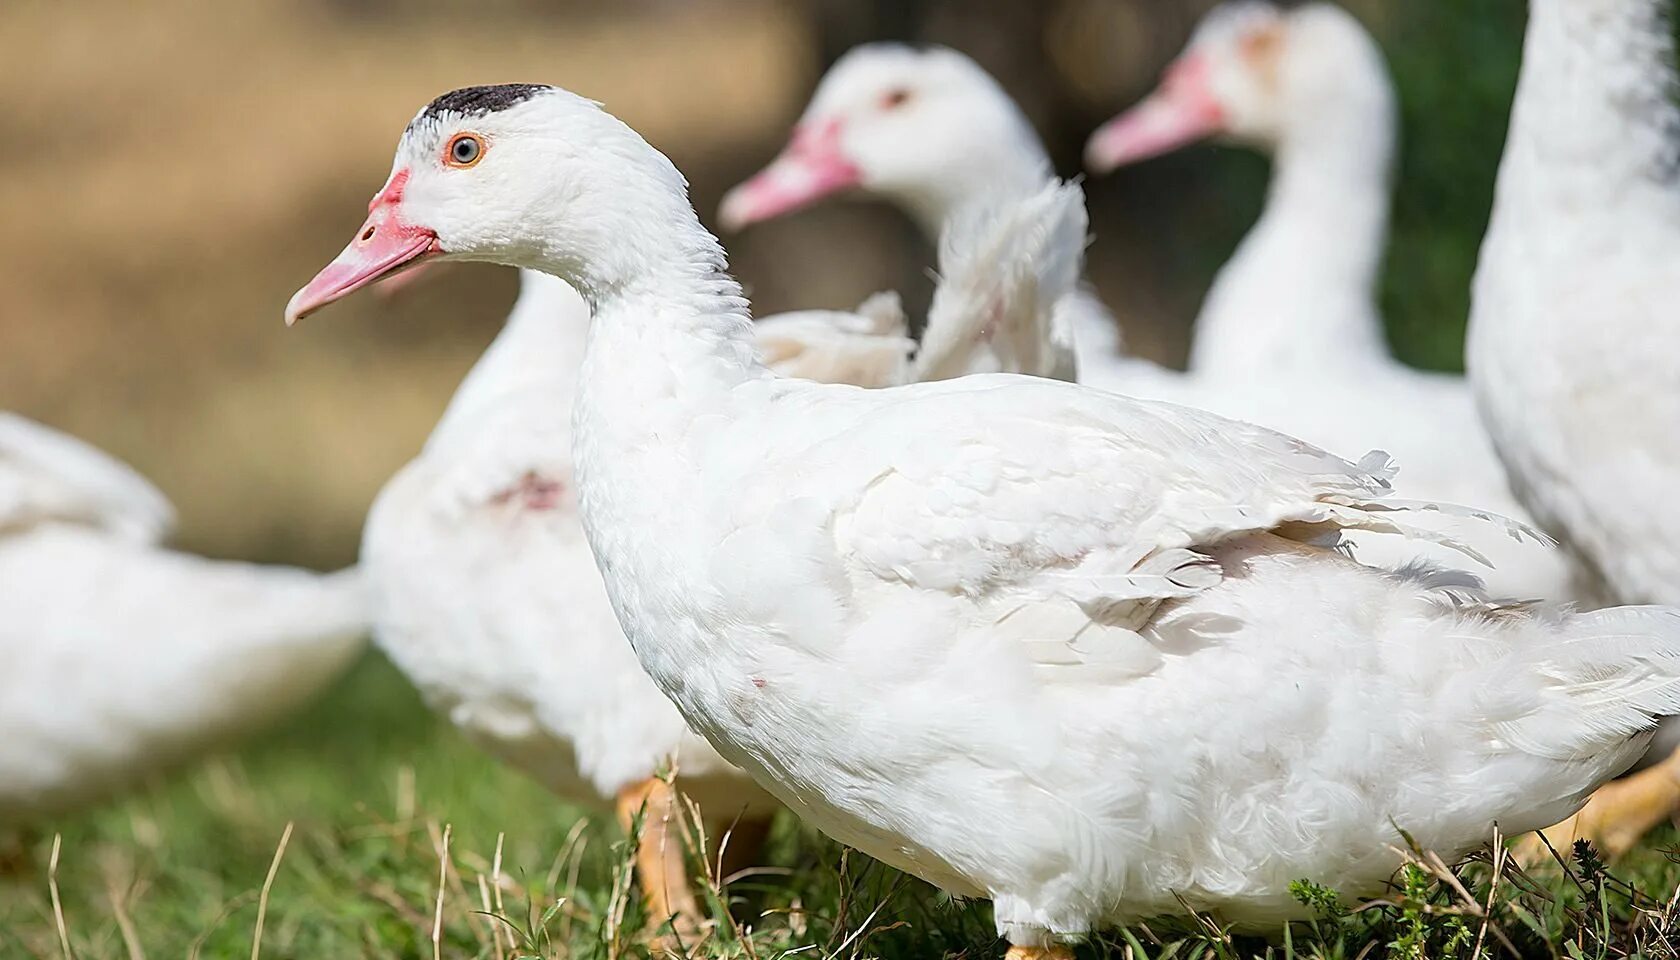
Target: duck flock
x: 1002, y: 606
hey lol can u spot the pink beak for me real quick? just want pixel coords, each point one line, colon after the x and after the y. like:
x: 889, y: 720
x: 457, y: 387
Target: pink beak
x: 385, y: 246
x: 1180, y: 113
x: 398, y: 284
x: 812, y: 167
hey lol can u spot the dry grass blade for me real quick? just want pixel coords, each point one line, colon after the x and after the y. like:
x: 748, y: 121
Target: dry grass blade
x: 1212, y: 929
x: 1433, y: 863
x: 1666, y: 917
x: 1500, y: 856
x: 869, y: 920
x: 496, y: 885
x: 552, y: 881
x: 443, y: 885
x: 697, y: 842
x: 125, y: 923
x: 495, y: 931
x: 268, y: 884
x: 570, y: 858
x: 453, y: 877
x: 57, y: 904
x: 862, y: 928
x: 619, y: 899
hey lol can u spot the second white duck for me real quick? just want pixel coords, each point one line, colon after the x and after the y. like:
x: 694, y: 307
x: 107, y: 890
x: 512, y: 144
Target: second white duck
x: 930, y: 131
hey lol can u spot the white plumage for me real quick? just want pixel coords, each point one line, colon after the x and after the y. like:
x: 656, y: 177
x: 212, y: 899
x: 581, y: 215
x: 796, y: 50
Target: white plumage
x: 1026, y: 639
x: 1005, y: 271
x: 870, y: 346
x: 123, y: 657
x: 485, y: 591
x: 1575, y: 326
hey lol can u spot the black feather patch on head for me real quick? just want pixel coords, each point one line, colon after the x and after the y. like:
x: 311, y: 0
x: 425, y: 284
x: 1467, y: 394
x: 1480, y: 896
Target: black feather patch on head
x: 477, y: 101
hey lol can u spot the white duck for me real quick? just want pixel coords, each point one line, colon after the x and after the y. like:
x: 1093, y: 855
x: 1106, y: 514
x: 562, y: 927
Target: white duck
x: 1575, y: 323
x: 1028, y: 640
x: 123, y: 657
x: 930, y: 131
x: 1290, y: 335
x: 486, y: 593
x: 1309, y: 87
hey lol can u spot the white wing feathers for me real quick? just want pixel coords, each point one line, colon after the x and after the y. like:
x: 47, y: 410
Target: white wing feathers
x: 1004, y: 270
x: 1044, y: 492
x: 869, y: 347
x: 50, y: 476
x: 1603, y: 674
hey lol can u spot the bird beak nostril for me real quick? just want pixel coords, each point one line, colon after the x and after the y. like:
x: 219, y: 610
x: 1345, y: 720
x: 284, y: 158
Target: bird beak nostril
x: 384, y: 246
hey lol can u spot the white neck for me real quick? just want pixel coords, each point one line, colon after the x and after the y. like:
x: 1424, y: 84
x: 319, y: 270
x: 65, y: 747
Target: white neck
x: 1594, y: 128
x: 1301, y: 289
x: 666, y: 354
x: 533, y: 361
x: 664, y: 347
x: 1014, y: 168
x: 1587, y: 195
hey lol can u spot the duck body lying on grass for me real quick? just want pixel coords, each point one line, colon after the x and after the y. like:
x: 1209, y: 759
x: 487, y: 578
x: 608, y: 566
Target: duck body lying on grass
x: 122, y: 657
x: 1087, y: 656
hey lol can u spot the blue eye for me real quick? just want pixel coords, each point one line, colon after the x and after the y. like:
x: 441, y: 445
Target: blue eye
x: 464, y: 150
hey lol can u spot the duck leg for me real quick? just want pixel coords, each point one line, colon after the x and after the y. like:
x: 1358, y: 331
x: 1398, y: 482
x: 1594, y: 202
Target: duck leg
x: 1053, y: 952
x: 1616, y: 817
x: 661, y: 870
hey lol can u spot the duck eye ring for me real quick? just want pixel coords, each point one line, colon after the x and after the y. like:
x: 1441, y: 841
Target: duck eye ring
x: 464, y: 150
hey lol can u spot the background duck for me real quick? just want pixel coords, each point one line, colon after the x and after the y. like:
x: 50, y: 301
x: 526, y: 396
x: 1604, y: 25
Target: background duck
x: 124, y: 657
x: 1290, y: 334
x: 931, y: 132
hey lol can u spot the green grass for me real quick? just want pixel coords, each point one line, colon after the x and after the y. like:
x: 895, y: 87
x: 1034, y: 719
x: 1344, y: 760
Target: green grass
x: 371, y: 784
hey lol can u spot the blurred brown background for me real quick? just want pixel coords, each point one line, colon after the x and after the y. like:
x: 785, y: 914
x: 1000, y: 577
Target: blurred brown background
x: 175, y: 169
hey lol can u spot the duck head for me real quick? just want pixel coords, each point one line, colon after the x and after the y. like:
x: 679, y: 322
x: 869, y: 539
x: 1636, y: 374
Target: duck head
x: 923, y: 127
x: 519, y: 174
x: 1256, y: 74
